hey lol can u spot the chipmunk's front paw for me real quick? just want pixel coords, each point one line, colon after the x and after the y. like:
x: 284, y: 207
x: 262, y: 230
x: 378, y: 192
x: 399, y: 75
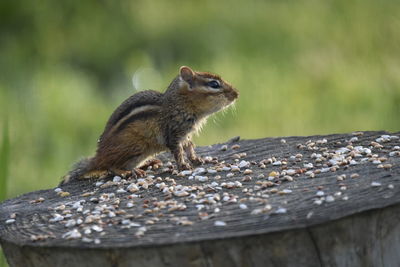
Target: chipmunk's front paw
x: 197, y: 160
x: 138, y: 172
x: 153, y: 163
x: 184, y: 166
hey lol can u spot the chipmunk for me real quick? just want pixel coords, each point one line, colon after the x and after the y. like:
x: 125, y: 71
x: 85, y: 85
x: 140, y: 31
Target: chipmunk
x: 150, y: 122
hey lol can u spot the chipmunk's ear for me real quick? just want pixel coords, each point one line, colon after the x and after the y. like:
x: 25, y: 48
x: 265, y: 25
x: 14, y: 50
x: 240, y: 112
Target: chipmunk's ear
x: 186, y: 74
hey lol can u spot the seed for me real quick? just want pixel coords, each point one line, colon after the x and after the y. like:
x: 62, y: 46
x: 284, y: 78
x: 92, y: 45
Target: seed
x: 10, y: 221
x: 376, y: 184
x: 354, y: 139
x: 229, y: 175
x: 39, y: 200
x: 117, y: 179
x: 97, y: 228
x: 219, y: 223
x: 354, y: 175
x: 186, y: 172
x: 181, y: 193
x: 246, y: 178
x: 285, y: 191
x: 224, y: 148
x: 247, y: 171
x: 318, y: 201
x: 341, y: 177
x: 57, y: 190
x: 280, y: 211
x: 288, y: 178
x: 235, y: 147
x: 243, y: 206
x: 74, y: 234
x: 211, y: 171
x: 387, y: 166
x: 235, y: 169
x: 243, y: 164
x: 273, y: 174
x: 329, y: 199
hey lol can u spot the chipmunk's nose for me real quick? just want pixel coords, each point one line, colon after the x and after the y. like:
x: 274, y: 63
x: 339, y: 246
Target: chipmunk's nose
x: 232, y: 94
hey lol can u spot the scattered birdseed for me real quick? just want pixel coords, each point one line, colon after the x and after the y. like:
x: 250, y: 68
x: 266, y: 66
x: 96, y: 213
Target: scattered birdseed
x: 247, y: 178
x: 354, y: 139
x: 70, y: 223
x: 39, y: 200
x: 186, y: 172
x: 229, y: 175
x: 354, y: 175
x: 73, y: 234
x: 243, y: 206
x: 243, y: 164
x: 309, y: 215
x: 10, y: 221
x: 318, y: 201
x: 201, y: 178
x: 57, y: 190
x: 235, y: 147
x: 376, y: 184
x: 391, y: 186
x: 247, y: 171
x: 285, y: 191
x: 224, y: 148
x: 329, y: 198
x: 117, y: 179
x: 280, y: 211
x: 97, y: 228
x: 219, y: 223
x: 235, y: 169
x: 288, y: 178
x: 265, y: 209
x: 341, y: 177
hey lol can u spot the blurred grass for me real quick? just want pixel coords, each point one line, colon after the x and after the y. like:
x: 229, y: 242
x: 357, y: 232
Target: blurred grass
x: 4, y: 166
x: 304, y: 67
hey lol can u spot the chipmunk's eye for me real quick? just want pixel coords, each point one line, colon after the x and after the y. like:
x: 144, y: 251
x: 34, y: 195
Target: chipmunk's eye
x: 214, y: 84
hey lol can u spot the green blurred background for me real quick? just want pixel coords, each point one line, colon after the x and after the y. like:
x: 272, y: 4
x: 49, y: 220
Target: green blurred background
x: 302, y: 68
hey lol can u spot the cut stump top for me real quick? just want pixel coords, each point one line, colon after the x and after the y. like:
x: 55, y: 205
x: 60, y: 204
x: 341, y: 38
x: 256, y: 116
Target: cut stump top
x: 353, y: 173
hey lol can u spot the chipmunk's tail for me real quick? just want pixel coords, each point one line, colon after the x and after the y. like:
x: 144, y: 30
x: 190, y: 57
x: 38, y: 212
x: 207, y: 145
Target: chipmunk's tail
x: 78, y: 170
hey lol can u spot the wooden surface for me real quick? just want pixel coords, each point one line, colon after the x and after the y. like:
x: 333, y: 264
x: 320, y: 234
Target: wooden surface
x: 316, y: 221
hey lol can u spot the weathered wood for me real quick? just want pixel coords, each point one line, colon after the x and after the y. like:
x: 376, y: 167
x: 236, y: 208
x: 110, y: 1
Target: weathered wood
x: 355, y: 222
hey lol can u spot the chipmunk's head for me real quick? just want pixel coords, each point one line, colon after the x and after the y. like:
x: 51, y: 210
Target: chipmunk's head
x: 208, y: 92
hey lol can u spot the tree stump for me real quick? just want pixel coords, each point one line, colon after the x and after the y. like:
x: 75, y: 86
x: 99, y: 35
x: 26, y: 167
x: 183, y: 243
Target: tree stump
x: 296, y: 201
